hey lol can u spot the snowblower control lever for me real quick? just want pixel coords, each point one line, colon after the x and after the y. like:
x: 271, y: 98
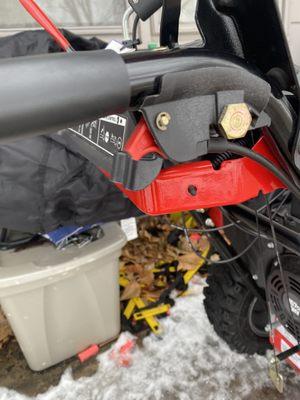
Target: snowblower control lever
x: 185, y: 91
x: 39, y: 15
x: 60, y: 91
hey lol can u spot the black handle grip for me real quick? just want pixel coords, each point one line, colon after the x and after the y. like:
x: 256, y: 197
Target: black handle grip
x: 145, y: 8
x: 44, y: 94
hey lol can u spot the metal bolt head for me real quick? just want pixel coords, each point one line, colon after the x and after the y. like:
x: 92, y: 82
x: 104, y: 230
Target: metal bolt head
x: 163, y: 121
x: 271, y: 245
x: 235, y: 121
x: 209, y: 222
x: 215, y: 258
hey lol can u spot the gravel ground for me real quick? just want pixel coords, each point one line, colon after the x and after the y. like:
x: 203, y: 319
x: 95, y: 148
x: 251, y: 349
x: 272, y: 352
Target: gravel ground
x: 189, y: 362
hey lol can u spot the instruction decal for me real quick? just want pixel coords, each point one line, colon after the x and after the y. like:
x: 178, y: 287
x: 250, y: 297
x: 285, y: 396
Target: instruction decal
x: 107, y: 133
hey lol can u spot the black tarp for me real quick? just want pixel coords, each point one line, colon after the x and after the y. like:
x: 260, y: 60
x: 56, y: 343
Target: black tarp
x: 43, y: 183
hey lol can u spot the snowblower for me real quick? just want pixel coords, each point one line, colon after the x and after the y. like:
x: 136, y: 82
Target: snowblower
x: 212, y: 126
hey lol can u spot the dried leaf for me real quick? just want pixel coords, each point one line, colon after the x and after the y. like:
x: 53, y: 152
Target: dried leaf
x: 133, y: 289
x: 146, y: 278
x: 203, y: 243
x: 148, y: 295
x: 135, y: 269
x: 5, y: 331
x: 188, y: 261
x: 140, y: 256
x: 149, y: 267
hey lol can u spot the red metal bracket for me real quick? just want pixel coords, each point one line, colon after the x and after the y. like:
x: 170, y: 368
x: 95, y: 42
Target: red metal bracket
x: 235, y: 182
x: 141, y: 142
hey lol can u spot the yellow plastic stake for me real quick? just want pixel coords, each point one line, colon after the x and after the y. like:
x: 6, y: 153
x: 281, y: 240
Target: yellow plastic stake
x: 152, y: 312
x: 151, y: 321
x: 190, y: 222
x: 157, y: 270
x: 123, y: 282
x: 190, y: 274
x: 130, y: 308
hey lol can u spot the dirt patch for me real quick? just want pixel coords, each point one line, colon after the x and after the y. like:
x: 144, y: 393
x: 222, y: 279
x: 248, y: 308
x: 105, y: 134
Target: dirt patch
x: 15, y: 373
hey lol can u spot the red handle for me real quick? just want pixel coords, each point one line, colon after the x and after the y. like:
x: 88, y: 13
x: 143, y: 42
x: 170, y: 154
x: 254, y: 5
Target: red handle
x: 38, y: 14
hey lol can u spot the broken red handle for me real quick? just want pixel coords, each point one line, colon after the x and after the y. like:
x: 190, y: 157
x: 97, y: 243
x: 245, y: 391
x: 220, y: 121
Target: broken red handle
x: 39, y: 15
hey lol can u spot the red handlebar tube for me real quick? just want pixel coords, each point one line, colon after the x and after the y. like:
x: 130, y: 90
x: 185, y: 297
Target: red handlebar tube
x: 39, y: 15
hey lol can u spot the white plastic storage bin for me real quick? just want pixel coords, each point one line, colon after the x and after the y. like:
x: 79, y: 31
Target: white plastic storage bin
x: 60, y: 302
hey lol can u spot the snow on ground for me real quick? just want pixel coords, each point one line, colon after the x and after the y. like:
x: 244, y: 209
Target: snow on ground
x: 188, y: 363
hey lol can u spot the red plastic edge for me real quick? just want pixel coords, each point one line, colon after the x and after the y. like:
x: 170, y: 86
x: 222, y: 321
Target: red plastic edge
x: 90, y: 352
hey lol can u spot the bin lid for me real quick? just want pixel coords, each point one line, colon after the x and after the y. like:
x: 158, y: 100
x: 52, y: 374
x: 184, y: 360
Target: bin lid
x: 43, y: 263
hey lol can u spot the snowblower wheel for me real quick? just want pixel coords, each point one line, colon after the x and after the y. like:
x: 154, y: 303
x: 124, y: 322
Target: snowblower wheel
x: 237, y: 316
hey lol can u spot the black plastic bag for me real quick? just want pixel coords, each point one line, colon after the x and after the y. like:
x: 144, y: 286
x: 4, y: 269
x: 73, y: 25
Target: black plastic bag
x: 44, y: 185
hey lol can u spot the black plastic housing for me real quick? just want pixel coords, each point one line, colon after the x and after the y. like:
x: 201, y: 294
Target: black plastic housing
x: 252, y: 30
x: 43, y: 94
x: 145, y: 8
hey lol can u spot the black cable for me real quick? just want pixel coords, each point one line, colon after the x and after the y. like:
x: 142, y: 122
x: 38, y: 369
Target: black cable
x: 15, y: 243
x: 281, y: 192
x: 208, y: 230
x: 234, y: 222
x: 209, y: 262
x: 252, y: 232
x: 281, y: 204
x: 286, y: 283
x: 218, y: 159
x: 134, y: 30
x: 249, y: 231
x: 243, y: 227
x: 221, y: 146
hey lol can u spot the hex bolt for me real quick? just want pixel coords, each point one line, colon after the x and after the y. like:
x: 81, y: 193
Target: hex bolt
x: 192, y: 190
x: 255, y: 277
x: 271, y: 245
x: 235, y: 121
x: 163, y: 121
x: 210, y: 223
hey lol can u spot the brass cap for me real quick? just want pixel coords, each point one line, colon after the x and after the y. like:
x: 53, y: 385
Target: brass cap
x: 235, y: 120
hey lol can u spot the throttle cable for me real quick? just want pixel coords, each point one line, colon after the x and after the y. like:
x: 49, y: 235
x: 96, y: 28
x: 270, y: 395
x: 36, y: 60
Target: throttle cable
x: 221, y: 146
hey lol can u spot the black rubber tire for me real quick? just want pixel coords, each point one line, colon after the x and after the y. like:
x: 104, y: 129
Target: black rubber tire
x: 227, y: 304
